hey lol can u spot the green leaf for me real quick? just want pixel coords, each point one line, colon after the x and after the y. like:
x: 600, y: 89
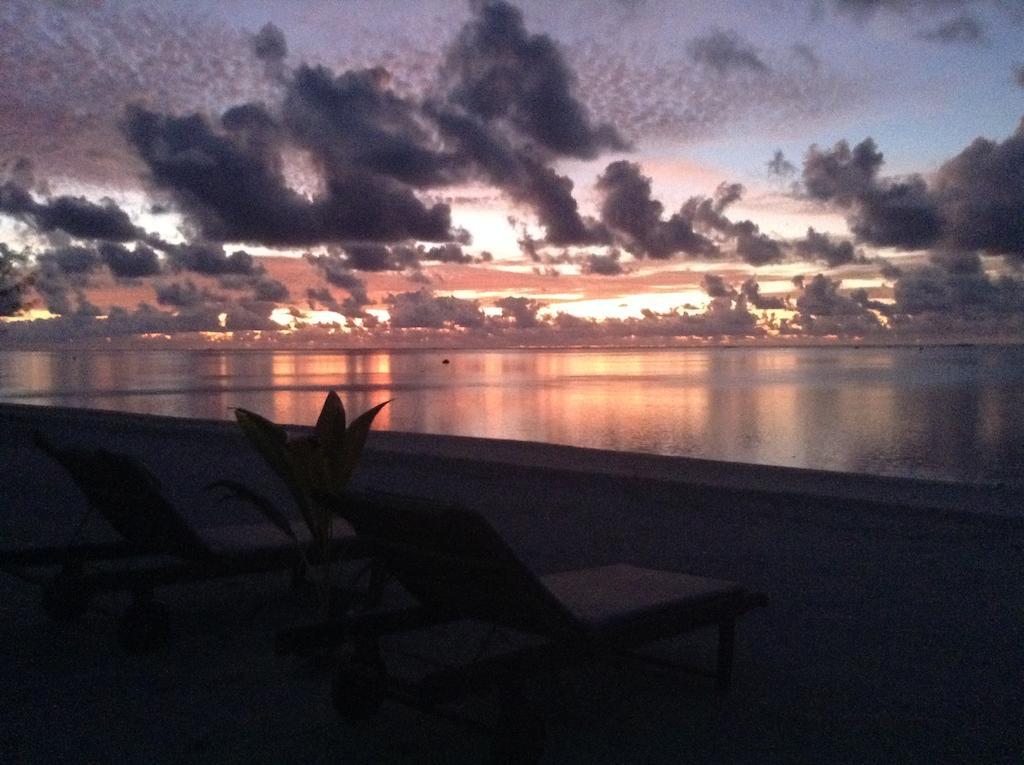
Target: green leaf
x: 267, y: 437
x: 330, y: 426
x: 355, y: 440
x: 257, y: 500
x: 271, y: 442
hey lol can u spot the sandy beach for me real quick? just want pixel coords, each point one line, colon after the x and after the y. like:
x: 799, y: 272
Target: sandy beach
x: 892, y: 634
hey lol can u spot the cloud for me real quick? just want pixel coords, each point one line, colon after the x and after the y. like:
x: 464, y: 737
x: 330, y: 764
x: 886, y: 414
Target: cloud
x: 446, y: 253
x: 354, y: 123
x: 496, y: 71
x: 708, y: 214
x: 980, y: 193
x: 270, y: 290
x: 519, y: 172
x: 269, y: 43
x: 606, y: 264
x: 522, y: 311
x: 752, y: 291
x: 725, y: 51
x: 230, y: 182
x: 779, y: 166
x: 75, y: 216
x: 70, y: 261
x: 1018, y: 75
x: 818, y: 246
x: 337, y: 273
x: 973, y: 203
x: 628, y: 208
x: 184, y: 295
x: 129, y: 264
x: 422, y: 309
x: 890, y: 212
x: 370, y: 256
x: 212, y: 260
x: 964, y: 29
x: 716, y: 287
x: 821, y: 297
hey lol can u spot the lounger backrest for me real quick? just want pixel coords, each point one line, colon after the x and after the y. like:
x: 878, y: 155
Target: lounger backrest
x: 128, y: 496
x: 451, y: 559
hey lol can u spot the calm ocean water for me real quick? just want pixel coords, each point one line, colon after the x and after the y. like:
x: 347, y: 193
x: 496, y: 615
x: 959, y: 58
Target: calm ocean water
x: 955, y: 413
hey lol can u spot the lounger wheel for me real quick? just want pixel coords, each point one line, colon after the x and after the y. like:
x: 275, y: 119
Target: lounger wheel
x: 145, y: 625
x: 520, y: 732
x: 66, y: 598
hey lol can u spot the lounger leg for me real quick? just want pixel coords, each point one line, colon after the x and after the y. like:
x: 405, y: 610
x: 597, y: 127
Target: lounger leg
x: 726, y: 646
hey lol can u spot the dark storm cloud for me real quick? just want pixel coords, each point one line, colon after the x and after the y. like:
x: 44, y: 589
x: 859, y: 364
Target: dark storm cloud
x: 602, y: 264
x: 884, y: 212
x: 888, y: 269
x: 520, y: 173
x: 779, y: 166
x: 635, y: 218
x: 725, y: 51
x: 897, y: 213
x: 962, y: 29
x: 129, y: 264
x: 841, y: 175
x: 338, y: 274
x: 269, y: 43
x: 212, y: 260
x: 185, y: 295
x: 752, y: 291
x: 957, y: 262
x: 975, y: 201
x: 716, y: 287
x: 379, y: 257
x: 425, y: 310
x: 980, y: 193
x: 708, y: 214
x: 75, y: 216
x: 355, y: 123
x: 269, y: 290
x: 819, y: 246
x: 628, y: 208
x: 447, y: 253
x: 70, y: 261
x: 320, y: 298
x: 522, y: 311
x: 821, y: 297
x: 496, y: 70
x: 235, y: 190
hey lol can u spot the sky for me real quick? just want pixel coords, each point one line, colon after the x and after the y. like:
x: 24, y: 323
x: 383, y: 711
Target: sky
x: 361, y: 174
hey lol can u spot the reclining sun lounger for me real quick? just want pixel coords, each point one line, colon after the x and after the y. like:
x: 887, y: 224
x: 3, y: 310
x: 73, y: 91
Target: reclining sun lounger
x: 457, y: 567
x: 158, y: 547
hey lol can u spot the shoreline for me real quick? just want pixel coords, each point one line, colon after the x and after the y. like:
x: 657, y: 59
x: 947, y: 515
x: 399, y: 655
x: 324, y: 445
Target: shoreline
x: 994, y: 498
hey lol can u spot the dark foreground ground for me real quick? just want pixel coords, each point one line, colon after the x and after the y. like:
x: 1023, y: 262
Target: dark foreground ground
x: 894, y: 634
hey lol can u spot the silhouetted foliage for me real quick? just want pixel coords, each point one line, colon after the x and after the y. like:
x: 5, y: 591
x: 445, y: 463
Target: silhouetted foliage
x: 309, y: 465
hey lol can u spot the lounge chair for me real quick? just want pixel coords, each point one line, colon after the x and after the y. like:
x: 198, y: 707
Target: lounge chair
x: 157, y: 547
x: 456, y: 566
